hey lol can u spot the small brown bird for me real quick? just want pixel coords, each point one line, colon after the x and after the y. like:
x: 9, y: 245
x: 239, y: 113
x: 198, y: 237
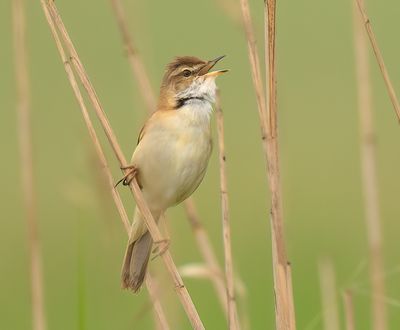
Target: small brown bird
x: 171, y: 157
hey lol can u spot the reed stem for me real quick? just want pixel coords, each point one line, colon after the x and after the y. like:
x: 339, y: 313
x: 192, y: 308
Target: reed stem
x: 24, y: 130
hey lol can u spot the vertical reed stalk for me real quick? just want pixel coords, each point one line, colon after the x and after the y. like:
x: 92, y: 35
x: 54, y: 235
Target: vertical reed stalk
x: 226, y: 229
x: 349, y: 310
x: 57, y: 26
x: 268, y: 121
x: 328, y: 296
x: 379, y: 57
x: 27, y: 176
x: 291, y: 298
x: 284, y: 298
x: 369, y: 173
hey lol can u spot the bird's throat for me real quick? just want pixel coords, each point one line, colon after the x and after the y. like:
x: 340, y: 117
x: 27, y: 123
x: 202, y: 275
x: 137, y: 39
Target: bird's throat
x: 180, y: 102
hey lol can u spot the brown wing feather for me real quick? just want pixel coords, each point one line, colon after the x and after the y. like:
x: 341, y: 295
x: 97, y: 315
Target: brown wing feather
x: 141, y: 133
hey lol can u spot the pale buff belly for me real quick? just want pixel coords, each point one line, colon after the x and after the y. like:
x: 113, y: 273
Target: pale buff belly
x: 172, y: 164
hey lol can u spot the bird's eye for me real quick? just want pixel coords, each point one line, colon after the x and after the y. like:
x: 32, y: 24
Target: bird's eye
x: 186, y: 73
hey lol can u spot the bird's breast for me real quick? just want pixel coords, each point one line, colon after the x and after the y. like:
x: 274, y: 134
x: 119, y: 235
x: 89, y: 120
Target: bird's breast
x: 172, y: 156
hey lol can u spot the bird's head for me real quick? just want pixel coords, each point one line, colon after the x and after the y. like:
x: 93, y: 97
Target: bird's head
x: 188, y: 79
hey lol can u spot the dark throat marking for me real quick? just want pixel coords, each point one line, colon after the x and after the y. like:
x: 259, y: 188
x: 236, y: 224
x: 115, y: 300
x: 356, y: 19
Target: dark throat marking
x: 181, y: 102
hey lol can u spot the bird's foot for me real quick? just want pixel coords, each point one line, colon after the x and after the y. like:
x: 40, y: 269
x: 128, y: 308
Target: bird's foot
x: 161, y: 247
x: 128, y: 177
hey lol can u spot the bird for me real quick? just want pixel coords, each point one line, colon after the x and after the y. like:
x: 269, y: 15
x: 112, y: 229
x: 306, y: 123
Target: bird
x: 172, y: 153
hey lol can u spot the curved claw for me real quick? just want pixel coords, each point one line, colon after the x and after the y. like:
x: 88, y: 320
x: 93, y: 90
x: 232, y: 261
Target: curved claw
x: 128, y: 177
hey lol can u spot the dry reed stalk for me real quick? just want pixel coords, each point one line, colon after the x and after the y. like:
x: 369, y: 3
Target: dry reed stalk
x: 231, y: 10
x: 207, y: 252
x: 199, y: 232
x: 102, y: 158
x: 136, y: 63
x: 268, y: 121
x: 379, y: 57
x: 283, y: 282
x: 291, y: 298
x: 56, y: 24
x: 328, y: 295
x: 27, y: 176
x: 349, y: 310
x: 226, y: 229
x: 161, y: 320
x: 369, y: 173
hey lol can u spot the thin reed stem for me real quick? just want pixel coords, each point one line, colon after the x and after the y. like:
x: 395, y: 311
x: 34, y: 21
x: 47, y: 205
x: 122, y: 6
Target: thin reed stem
x: 379, y: 57
x: 207, y: 252
x: 291, y: 298
x: 99, y: 151
x: 161, y: 320
x: 226, y: 229
x: 26, y: 162
x: 369, y: 173
x: 231, y: 10
x: 348, y: 310
x: 136, y: 63
x: 328, y: 295
x: 284, y: 310
x: 56, y: 24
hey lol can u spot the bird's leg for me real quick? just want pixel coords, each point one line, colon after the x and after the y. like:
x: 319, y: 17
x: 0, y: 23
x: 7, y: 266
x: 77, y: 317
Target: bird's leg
x: 128, y: 177
x: 161, y: 247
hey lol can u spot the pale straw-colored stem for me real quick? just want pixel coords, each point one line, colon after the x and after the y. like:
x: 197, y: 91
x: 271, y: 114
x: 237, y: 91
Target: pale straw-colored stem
x: 291, y: 298
x: 136, y: 63
x: 161, y: 320
x: 56, y: 24
x: 282, y: 283
x: 207, y: 252
x: 231, y: 10
x: 369, y: 173
x: 26, y: 162
x: 101, y: 156
x: 349, y: 310
x: 379, y: 57
x: 328, y: 295
x: 226, y: 228
x: 284, y: 310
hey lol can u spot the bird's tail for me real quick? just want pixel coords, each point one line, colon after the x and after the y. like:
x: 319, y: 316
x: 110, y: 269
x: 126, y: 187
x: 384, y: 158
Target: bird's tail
x: 137, y: 254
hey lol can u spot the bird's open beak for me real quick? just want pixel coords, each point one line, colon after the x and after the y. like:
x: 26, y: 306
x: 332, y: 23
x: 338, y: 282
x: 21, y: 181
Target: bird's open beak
x: 205, y: 70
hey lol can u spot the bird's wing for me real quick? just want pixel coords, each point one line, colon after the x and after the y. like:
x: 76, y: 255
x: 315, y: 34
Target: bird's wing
x: 145, y: 126
x: 141, y: 133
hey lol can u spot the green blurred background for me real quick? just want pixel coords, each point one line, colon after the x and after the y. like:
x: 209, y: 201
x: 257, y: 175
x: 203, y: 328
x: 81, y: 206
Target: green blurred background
x: 82, y: 238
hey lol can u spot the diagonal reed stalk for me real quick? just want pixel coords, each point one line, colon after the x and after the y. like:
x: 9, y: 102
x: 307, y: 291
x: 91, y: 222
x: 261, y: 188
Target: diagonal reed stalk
x: 328, y: 295
x: 369, y: 173
x: 137, y: 66
x: 102, y: 159
x: 27, y: 177
x: 348, y: 310
x: 161, y: 320
x: 207, y: 252
x: 379, y: 57
x: 200, y: 233
x: 226, y: 229
x: 57, y: 26
x: 284, y: 309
